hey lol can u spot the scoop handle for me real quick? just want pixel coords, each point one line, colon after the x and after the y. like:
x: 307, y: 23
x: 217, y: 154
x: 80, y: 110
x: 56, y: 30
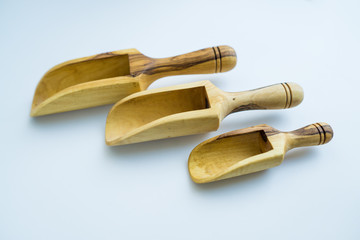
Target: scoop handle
x: 310, y: 135
x: 209, y: 60
x: 278, y: 96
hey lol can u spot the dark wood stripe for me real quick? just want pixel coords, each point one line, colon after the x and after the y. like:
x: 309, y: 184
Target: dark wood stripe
x: 290, y: 94
x: 215, y: 55
x: 287, y: 97
x: 323, y: 132
x: 266, y: 130
x: 140, y: 64
x: 320, y: 134
x: 149, y: 68
x: 220, y: 59
x: 250, y: 106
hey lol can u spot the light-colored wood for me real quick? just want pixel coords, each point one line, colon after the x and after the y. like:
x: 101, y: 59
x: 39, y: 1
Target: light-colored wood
x: 250, y: 150
x: 107, y: 78
x: 188, y: 109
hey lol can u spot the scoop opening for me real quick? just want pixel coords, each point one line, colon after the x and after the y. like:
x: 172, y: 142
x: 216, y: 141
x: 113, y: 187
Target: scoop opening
x: 139, y: 111
x: 71, y: 73
x: 214, y: 158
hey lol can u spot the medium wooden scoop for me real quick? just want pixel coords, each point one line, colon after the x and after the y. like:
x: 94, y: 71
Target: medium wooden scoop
x: 106, y: 78
x: 188, y: 109
x: 250, y: 150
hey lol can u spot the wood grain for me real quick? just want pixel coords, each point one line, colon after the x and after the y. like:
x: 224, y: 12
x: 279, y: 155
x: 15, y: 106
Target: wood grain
x: 277, y: 96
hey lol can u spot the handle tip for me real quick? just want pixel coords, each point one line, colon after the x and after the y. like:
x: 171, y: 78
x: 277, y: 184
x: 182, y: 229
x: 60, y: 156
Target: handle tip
x: 225, y: 57
x: 326, y: 132
x: 294, y: 94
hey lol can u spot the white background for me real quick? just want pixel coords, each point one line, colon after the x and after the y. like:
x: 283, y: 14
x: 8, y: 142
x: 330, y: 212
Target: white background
x: 58, y: 179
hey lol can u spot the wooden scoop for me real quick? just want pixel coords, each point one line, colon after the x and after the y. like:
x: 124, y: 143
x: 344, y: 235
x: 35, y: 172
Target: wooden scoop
x: 106, y: 78
x: 188, y: 109
x: 250, y: 150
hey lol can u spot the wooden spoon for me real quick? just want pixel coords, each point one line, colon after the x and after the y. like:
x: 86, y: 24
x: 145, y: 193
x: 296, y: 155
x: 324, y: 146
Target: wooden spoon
x: 188, y: 109
x: 106, y: 78
x: 250, y: 150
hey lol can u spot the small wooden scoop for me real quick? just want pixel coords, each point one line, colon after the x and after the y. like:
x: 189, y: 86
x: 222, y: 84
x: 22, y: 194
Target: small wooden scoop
x: 106, y: 78
x: 188, y: 109
x: 250, y: 150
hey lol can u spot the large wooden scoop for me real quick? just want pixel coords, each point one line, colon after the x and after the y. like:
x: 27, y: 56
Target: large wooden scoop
x: 106, y: 78
x: 188, y: 109
x: 250, y: 150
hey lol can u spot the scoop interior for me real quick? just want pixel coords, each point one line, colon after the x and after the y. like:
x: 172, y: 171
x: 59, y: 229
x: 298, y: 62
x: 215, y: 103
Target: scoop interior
x: 80, y: 71
x: 216, y: 157
x: 131, y: 114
